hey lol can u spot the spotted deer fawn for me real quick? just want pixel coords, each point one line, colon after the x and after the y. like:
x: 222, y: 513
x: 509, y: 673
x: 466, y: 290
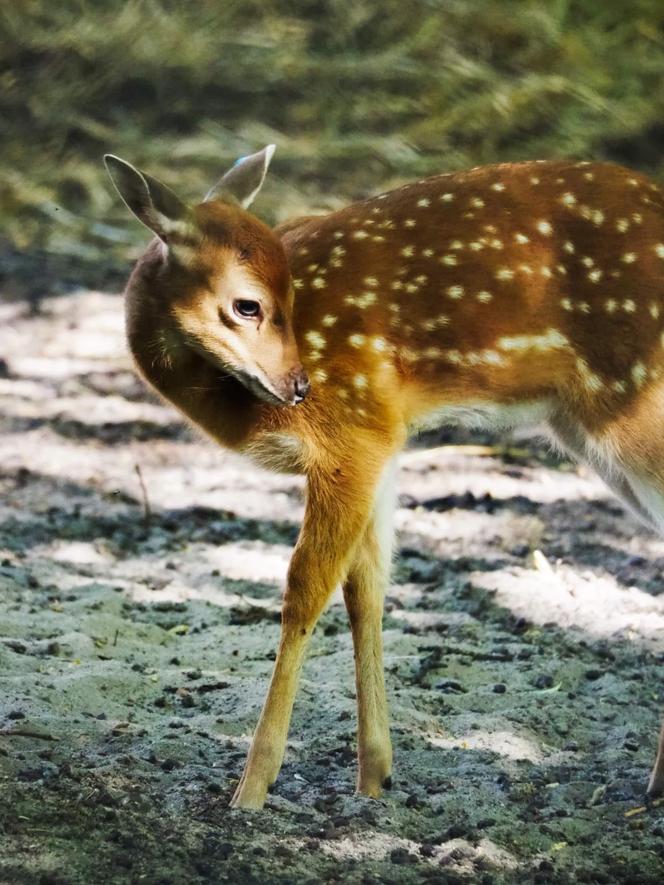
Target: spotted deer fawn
x: 509, y: 294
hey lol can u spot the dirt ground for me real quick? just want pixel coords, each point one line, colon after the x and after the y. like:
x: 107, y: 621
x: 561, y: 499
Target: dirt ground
x: 141, y: 571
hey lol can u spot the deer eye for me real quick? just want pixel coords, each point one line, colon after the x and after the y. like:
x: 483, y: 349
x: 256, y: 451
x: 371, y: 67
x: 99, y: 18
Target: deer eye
x: 246, y: 309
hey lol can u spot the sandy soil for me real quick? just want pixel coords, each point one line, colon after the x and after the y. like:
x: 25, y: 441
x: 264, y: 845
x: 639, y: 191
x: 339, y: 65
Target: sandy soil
x: 524, y: 636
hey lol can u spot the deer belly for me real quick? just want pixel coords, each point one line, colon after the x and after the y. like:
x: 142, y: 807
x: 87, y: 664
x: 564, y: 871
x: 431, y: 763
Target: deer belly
x: 484, y: 415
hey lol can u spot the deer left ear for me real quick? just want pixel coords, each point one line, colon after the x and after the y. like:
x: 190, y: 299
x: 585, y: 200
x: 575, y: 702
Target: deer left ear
x: 150, y: 200
x: 243, y: 181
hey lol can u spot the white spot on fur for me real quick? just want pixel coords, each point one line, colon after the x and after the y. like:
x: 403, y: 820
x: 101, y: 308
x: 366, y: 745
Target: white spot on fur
x: 628, y: 258
x: 424, y: 202
x: 454, y: 292
x: 622, y: 225
x: 407, y: 251
x: 360, y: 381
x: 315, y: 339
x: 638, y: 374
x: 450, y: 260
x: 365, y: 300
x: 611, y: 305
x: 447, y: 198
x: 659, y: 249
x: 521, y: 238
x: 552, y: 338
x: 544, y: 228
x: 484, y: 296
x: 590, y: 379
x: 629, y: 306
x: 595, y: 275
x: 356, y: 340
x: 360, y: 235
x: 569, y: 247
x: 498, y: 186
x: 409, y: 222
x: 504, y: 273
x: 566, y: 304
x: 568, y: 199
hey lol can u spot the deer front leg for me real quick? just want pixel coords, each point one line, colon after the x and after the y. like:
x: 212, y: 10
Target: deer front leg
x: 335, y: 517
x: 363, y: 593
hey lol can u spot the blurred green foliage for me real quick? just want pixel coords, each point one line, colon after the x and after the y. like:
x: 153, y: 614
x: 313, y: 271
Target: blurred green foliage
x: 358, y: 95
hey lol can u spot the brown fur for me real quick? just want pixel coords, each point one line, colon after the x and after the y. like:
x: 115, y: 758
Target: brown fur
x: 404, y: 305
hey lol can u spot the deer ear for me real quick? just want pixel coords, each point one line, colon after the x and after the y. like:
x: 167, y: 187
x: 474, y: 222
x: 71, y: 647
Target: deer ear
x: 243, y: 181
x: 151, y: 201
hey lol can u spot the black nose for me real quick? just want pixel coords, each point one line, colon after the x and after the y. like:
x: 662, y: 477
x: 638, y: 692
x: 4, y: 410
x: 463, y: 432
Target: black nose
x: 301, y: 386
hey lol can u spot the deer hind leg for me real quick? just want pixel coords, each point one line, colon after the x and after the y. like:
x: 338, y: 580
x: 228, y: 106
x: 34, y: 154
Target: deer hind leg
x: 573, y: 439
x: 363, y: 590
x: 339, y: 504
x: 629, y: 456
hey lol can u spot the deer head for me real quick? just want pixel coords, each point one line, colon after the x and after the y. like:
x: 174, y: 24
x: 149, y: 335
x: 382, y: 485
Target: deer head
x: 219, y: 282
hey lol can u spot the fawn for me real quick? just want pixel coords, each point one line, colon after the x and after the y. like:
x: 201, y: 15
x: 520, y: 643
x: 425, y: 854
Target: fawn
x: 508, y: 294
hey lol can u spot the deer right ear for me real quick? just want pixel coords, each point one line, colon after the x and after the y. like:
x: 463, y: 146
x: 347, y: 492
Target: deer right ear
x: 156, y: 205
x: 243, y: 180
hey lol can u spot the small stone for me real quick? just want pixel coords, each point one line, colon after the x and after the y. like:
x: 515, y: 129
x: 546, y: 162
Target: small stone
x: 456, y: 831
x: 402, y: 856
x: 544, y: 680
x: 499, y: 688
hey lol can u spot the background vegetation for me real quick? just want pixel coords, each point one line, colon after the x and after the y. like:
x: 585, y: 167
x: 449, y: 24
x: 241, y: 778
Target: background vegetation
x: 358, y: 95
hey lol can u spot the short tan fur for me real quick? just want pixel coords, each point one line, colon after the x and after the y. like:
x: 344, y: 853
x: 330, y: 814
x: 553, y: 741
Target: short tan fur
x: 501, y: 296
